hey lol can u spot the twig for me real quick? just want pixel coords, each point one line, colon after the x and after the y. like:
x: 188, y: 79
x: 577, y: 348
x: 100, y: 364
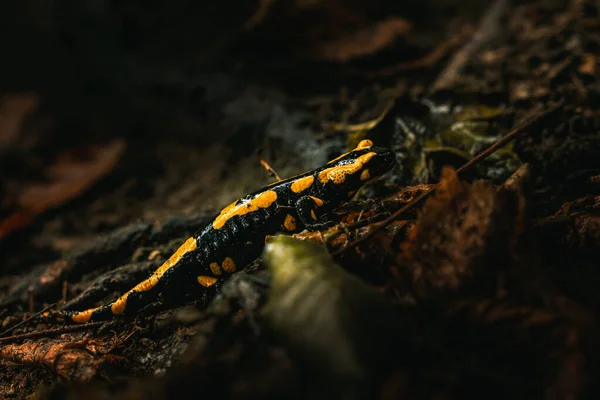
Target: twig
x: 269, y: 169
x: 479, y: 157
x: 488, y: 28
x: 354, y: 226
x: 516, y: 180
x: 386, y: 221
x: 51, y: 332
x: 27, y: 320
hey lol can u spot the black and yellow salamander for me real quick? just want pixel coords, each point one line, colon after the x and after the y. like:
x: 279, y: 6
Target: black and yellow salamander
x: 237, y: 235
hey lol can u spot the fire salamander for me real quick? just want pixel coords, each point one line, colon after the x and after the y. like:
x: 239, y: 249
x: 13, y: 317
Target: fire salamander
x: 237, y: 235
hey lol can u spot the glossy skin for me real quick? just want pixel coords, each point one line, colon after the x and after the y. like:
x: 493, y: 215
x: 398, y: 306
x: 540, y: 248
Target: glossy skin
x: 237, y: 235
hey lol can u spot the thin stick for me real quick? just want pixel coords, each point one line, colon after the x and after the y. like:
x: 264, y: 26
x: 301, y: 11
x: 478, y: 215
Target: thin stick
x: 479, y: 157
x: 489, y: 27
x: 27, y: 320
x: 269, y: 169
x: 51, y: 332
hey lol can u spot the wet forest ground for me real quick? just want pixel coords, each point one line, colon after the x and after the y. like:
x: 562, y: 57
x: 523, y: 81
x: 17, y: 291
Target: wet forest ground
x: 124, y: 129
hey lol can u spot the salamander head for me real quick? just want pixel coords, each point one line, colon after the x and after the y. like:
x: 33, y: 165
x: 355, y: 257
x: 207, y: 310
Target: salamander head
x: 358, y: 166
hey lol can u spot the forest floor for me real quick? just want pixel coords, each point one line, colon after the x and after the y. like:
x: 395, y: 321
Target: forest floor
x: 123, y: 130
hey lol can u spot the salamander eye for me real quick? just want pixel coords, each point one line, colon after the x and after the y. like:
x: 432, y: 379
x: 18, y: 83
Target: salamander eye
x: 364, y: 144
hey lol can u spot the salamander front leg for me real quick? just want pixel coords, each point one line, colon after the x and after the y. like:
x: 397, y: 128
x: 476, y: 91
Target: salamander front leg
x: 306, y: 207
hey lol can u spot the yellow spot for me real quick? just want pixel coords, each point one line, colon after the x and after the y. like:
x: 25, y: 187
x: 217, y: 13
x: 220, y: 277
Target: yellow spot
x: 338, y: 173
x: 84, y: 316
x: 312, y: 215
x: 207, y: 281
x: 302, y: 184
x: 290, y: 223
x: 215, y: 269
x: 242, y: 207
x: 364, y: 144
x: 317, y: 201
x: 228, y: 265
x: 118, y: 307
x: 365, y: 175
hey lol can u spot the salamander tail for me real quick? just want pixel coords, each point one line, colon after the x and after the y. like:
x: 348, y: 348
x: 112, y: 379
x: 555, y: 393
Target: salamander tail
x: 101, y: 313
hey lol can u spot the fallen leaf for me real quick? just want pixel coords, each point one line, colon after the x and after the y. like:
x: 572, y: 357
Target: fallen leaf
x: 364, y: 42
x: 343, y: 327
x: 69, y: 177
x: 463, y: 239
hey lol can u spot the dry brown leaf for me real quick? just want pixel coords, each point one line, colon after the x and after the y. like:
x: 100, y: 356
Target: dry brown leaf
x: 463, y: 239
x: 364, y: 42
x: 68, y: 177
